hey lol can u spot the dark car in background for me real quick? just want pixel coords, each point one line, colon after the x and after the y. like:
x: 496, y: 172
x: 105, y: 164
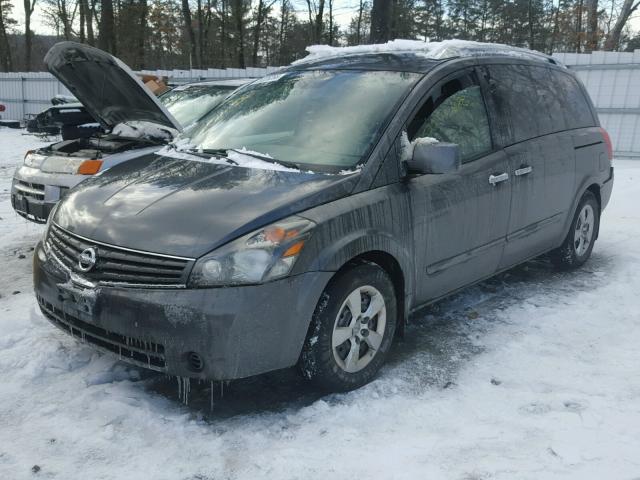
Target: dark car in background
x: 133, y: 122
x: 54, y: 119
x: 370, y: 185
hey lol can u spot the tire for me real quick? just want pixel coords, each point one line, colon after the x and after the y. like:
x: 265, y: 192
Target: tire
x: 577, y: 246
x: 361, y: 346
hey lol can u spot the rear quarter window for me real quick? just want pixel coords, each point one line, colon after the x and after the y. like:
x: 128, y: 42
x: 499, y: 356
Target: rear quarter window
x: 575, y: 106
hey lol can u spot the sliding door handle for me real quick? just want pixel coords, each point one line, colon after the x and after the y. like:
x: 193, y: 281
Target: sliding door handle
x: 523, y: 171
x: 495, y: 179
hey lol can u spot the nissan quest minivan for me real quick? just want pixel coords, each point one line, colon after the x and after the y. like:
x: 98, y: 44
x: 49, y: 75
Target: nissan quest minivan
x: 371, y: 183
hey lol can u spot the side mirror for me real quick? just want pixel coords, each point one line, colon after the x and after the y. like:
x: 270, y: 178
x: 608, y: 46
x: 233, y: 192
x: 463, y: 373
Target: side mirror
x: 434, y: 157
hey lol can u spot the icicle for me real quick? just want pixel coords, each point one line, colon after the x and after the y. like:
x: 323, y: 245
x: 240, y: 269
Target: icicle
x: 179, y: 379
x: 211, y: 400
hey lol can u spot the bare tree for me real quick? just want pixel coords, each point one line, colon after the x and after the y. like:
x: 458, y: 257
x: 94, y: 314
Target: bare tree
x: 5, y: 22
x: 613, y: 39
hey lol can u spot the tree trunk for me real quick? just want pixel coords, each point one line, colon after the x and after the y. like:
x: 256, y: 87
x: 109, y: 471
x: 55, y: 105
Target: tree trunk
x: 359, y: 24
x: 5, y: 51
x: 592, y: 19
x: 613, y: 39
x: 381, y: 21
x: 142, y: 34
x: 331, y: 22
x: 29, y: 5
x: 188, y: 25
x: 530, y: 18
x: 82, y: 16
x: 238, y: 8
x: 319, y: 24
x: 107, y: 38
x: 200, y: 15
x: 283, y: 24
x: 90, y: 14
x: 579, y: 26
x: 256, y: 33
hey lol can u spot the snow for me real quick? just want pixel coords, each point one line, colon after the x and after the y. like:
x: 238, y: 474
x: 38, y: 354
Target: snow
x: 239, y: 158
x: 142, y: 129
x: 435, y: 50
x: 531, y: 375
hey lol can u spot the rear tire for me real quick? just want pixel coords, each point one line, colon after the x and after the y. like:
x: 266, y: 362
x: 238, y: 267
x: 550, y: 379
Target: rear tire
x: 577, y: 246
x: 351, y: 330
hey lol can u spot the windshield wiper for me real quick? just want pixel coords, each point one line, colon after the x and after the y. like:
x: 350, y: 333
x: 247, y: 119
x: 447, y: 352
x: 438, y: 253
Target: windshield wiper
x: 265, y: 158
x: 212, y: 152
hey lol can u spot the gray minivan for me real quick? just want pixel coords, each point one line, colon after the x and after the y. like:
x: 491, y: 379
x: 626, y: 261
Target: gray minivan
x: 306, y: 217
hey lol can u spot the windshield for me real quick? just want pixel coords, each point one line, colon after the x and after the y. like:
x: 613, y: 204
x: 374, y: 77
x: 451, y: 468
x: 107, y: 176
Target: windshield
x: 188, y: 104
x: 311, y: 118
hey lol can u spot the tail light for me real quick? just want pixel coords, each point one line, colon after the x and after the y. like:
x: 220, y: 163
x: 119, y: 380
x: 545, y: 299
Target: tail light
x: 607, y: 141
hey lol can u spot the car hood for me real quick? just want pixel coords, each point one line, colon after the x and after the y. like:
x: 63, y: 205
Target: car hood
x: 107, y: 88
x: 188, y: 208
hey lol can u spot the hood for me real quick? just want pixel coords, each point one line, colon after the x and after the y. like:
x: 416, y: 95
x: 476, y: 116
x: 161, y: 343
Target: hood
x: 188, y: 208
x: 107, y: 88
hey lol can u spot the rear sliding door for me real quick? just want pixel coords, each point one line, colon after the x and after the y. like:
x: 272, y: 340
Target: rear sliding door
x: 541, y: 156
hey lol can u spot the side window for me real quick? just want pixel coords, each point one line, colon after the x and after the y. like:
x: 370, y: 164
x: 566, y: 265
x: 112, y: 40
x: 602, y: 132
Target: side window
x: 572, y: 98
x: 536, y: 100
x: 455, y: 112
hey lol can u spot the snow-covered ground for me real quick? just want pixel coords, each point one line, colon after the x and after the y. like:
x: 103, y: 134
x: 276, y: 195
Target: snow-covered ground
x: 532, y: 375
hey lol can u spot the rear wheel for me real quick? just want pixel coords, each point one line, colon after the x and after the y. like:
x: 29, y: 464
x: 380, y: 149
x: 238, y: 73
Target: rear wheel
x: 577, y: 246
x: 351, y: 330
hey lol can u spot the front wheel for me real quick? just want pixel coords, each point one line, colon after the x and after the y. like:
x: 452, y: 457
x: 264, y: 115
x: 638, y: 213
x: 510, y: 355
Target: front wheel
x: 577, y: 246
x: 351, y: 330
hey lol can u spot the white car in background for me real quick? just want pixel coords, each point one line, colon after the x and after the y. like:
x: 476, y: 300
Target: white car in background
x: 136, y: 121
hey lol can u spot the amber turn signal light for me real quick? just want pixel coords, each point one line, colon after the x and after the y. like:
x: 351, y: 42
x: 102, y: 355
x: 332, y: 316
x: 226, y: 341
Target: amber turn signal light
x: 89, y: 167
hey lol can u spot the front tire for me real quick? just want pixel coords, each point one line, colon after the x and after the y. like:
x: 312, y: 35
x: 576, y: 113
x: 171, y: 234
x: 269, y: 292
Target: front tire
x: 351, y: 330
x: 577, y: 246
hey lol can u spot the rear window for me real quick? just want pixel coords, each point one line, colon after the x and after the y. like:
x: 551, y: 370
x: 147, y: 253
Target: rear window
x: 537, y: 100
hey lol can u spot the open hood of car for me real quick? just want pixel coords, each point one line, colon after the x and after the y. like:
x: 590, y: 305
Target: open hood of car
x: 107, y: 88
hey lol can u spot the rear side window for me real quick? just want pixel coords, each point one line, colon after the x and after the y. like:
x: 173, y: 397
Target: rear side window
x: 526, y: 96
x: 455, y: 112
x: 574, y: 104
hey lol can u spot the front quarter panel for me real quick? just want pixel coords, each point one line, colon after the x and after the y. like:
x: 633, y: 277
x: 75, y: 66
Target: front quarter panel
x: 377, y: 220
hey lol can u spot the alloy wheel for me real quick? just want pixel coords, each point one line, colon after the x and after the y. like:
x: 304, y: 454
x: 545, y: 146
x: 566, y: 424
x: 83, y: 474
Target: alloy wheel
x: 359, y: 328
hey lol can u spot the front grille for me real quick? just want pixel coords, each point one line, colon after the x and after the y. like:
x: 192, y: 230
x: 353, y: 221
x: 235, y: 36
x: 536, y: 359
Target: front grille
x: 115, y: 265
x: 147, y: 354
x: 33, y: 190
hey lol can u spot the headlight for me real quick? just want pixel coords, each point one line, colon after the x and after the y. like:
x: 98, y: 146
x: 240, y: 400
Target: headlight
x: 264, y: 255
x: 33, y: 159
x: 73, y: 165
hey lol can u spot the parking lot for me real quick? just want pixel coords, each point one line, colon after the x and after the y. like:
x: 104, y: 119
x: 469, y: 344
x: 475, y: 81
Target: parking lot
x: 531, y: 375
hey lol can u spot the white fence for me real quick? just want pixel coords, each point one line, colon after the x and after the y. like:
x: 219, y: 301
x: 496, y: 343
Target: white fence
x: 612, y: 79
x: 29, y: 93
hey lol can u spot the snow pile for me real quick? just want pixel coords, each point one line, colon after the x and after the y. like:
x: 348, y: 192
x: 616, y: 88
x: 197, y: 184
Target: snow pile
x: 435, y: 50
x: 142, y: 129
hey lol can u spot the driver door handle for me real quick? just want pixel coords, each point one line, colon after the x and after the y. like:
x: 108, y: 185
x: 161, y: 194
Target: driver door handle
x: 495, y: 179
x: 523, y: 170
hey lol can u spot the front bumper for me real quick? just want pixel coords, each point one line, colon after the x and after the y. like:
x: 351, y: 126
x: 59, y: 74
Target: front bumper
x: 35, y: 193
x: 233, y: 332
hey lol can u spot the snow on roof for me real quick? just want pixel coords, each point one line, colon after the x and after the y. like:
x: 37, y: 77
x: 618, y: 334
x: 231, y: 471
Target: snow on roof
x: 435, y: 50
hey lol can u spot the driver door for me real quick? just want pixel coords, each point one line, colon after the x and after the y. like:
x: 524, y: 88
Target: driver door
x: 460, y: 219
